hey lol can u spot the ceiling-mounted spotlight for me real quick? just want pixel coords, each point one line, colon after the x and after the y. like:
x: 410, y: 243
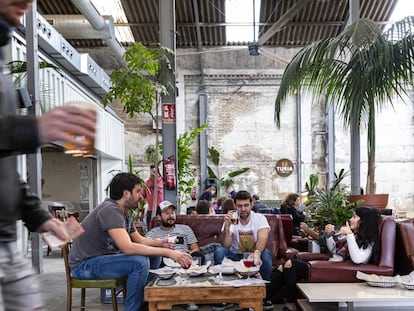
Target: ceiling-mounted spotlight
x: 254, y: 49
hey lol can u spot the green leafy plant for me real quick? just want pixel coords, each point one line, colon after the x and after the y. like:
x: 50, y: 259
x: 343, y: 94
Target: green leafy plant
x: 186, y: 172
x: 214, y: 172
x: 18, y: 69
x: 139, y: 86
x: 331, y: 205
x: 359, y: 71
x: 311, y: 186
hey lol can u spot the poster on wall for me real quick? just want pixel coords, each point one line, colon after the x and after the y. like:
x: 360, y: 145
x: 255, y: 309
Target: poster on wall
x: 168, y: 113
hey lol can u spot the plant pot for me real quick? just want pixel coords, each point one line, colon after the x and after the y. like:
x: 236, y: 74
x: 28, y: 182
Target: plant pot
x: 375, y: 200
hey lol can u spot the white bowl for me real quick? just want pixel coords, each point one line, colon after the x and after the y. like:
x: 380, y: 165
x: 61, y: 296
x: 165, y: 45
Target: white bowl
x: 243, y: 271
x: 166, y: 273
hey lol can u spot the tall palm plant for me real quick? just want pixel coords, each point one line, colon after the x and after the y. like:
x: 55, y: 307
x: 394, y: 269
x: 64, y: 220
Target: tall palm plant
x: 359, y: 71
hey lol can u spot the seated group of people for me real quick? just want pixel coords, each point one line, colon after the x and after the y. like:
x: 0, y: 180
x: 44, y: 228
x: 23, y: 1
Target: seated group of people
x: 111, y: 247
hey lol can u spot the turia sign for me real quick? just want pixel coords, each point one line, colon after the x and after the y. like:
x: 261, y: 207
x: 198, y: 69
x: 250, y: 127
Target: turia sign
x: 284, y: 167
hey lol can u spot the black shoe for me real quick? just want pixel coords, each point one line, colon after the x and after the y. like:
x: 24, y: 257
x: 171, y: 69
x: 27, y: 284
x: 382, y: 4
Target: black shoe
x: 222, y: 306
x: 267, y: 304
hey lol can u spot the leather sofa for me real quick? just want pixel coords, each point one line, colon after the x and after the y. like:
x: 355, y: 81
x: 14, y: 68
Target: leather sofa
x: 207, y: 229
x: 327, y: 271
x: 404, y: 248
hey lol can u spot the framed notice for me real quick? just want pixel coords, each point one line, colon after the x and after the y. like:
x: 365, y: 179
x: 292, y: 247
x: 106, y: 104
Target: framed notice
x: 284, y: 167
x: 168, y: 113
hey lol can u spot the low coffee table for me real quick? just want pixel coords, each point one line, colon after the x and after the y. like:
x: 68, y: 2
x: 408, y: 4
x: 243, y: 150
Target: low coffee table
x: 199, y: 291
x: 367, y: 298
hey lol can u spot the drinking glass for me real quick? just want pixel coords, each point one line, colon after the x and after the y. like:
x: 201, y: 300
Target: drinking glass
x: 235, y: 218
x: 248, y: 262
x: 87, y: 150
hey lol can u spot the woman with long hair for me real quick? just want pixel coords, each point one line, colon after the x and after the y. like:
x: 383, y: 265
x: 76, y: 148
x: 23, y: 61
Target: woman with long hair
x: 290, y: 206
x: 357, y: 242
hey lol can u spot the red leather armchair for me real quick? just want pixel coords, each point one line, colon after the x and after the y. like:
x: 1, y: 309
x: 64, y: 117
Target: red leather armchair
x: 327, y: 271
x: 404, y: 249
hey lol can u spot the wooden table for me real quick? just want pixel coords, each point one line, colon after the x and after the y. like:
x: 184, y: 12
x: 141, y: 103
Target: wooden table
x: 360, y: 295
x: 164, y: 297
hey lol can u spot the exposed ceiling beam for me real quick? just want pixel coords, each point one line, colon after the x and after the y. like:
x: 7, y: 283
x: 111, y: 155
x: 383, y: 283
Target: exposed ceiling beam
x: 197, y: 25
x: 283, y: 20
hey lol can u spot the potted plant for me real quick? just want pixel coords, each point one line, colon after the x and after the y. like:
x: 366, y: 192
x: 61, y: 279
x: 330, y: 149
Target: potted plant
x: 214, y: 173
x: 330, y: 205
x: 185, y: 170
x: 358, y: 71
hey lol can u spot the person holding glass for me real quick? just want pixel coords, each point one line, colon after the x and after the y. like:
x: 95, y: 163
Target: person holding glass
x: 251, y: 226
x: 357, y: 242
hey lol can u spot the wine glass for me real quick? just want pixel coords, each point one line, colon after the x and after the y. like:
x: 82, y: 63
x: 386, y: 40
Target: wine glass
x: 248, y: 262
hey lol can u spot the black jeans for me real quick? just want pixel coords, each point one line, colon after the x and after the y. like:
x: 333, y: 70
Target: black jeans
x: 289, y: 278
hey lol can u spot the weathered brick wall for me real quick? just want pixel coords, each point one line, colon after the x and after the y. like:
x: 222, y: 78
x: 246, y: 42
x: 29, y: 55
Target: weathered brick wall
x: 241, y: 90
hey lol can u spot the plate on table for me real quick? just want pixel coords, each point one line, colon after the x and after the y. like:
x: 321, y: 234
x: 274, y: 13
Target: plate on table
x: 165, y: 273
x: 196, y: 270
x: 170, y: 263
x: 245, y: 272
x: 223, y: 269
x: 409, y: 286
x: 382, y: 284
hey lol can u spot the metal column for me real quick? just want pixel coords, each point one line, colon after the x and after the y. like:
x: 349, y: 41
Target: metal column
x: 355, y: 147
x: 169, y: 129
x: 34, y: 159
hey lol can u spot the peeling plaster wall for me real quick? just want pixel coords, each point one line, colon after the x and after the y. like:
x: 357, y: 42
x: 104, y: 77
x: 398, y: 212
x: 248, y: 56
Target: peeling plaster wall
x: 241, y: 90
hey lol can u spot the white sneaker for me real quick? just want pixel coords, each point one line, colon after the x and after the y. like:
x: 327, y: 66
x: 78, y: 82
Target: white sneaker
x: 192, y: 307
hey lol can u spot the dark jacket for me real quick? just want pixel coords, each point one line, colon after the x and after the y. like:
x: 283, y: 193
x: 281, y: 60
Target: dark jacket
x: 18, y: 134
x: 297, y: 216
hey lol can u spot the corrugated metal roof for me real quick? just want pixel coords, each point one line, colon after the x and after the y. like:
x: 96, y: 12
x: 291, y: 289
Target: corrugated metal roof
x: 319, y: 19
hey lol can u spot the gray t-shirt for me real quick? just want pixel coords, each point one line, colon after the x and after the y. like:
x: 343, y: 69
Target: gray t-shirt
x: 178, y: 230
x: 95, y: 241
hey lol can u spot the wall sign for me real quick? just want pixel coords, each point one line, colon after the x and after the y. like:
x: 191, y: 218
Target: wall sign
x: 284, y: 167
x: 168, y: 113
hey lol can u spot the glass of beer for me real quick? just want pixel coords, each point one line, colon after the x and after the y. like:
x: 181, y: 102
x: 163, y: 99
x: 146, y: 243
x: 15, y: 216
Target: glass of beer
x: 235, y: 218
x: 88, y: 149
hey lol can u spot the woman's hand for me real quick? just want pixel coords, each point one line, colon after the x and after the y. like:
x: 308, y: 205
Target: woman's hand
x: 345, y: 230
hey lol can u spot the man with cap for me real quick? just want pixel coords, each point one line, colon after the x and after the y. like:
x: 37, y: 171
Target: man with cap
x: 111, y: 247
x: 186, y: 240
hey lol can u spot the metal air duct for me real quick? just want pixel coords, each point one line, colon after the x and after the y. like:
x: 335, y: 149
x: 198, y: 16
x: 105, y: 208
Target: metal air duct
x: 98, y: 23
x: 78, y: 27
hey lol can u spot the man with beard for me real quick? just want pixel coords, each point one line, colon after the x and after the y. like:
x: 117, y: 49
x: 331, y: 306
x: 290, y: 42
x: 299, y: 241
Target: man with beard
x: 250, y: 234
x: 111, y: 247
x: 185, y: 237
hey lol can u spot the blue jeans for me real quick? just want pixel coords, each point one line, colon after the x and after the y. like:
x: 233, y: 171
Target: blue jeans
x: 135, y: 267
x: 265, y: 257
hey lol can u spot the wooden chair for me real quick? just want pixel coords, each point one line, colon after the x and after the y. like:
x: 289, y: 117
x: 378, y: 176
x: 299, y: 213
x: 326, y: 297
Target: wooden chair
x: 72, y: 282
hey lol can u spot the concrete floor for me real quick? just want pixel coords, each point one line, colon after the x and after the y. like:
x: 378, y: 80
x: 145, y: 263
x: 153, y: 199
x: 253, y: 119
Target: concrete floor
x: 53, y: 283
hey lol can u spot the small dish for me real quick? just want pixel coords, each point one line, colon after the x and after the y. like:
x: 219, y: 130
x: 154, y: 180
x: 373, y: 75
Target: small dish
x: 224, y: 269
x: 196, y: 271
x: 382, y: 284
x: 409, y: 286
x: 246, y: 272
x: 166, y: 273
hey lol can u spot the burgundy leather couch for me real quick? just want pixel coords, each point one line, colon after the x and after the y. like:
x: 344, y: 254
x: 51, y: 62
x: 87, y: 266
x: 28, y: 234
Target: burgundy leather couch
x: 404, y: 248
x: 207, y: 229
x: 327, y: 271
